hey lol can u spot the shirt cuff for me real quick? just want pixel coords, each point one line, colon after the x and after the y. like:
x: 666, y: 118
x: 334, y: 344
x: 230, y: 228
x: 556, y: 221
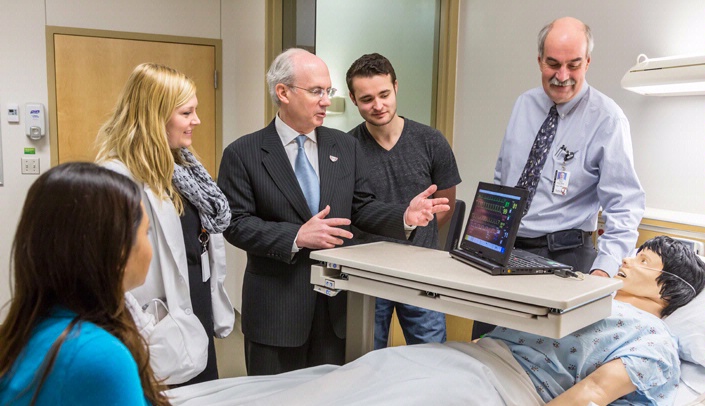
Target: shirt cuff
x: 294, y: 248
x: 407, y: 228
x: 606, y: 263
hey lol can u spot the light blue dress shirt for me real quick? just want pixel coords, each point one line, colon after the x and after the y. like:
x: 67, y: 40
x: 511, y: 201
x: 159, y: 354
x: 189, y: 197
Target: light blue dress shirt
x: 602, y: 173
x: 641, y: 340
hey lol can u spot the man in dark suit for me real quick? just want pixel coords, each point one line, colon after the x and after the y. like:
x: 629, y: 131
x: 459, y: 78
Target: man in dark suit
x: 293, y: 187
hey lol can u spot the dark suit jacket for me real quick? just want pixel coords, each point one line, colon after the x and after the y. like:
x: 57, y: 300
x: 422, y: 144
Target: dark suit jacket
x: 268, y: 208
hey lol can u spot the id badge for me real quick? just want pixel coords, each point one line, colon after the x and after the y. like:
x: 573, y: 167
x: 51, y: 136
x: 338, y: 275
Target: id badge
x: 205, y: 266
x: 560, y: 183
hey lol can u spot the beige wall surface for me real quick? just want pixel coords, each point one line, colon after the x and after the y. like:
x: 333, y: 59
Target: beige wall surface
x: 23, y: 78
x: 179, y: 17
x: 243, y: 96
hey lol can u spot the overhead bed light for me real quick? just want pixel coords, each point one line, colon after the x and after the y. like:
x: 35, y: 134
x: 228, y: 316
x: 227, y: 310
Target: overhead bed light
x: 670, y: 76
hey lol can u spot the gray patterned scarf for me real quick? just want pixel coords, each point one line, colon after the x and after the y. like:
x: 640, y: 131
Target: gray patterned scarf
x: 193, y: 182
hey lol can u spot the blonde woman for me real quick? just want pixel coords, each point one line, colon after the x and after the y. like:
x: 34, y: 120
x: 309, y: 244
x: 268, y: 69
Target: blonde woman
x: 183, y: 303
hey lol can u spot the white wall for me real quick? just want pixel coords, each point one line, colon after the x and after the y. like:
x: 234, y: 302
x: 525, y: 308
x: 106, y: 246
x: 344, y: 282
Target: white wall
x: 243, y: 97
x: 23, y: 79
x: 401, y: 30
x: 497, y: 54
x: 23, y: 76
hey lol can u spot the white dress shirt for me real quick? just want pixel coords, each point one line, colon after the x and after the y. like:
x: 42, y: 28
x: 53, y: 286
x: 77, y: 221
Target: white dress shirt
x: 288, y: 136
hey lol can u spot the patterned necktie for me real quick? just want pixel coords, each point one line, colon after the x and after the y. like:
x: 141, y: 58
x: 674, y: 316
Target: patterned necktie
x: 537, y: 156
x: 307, y: 177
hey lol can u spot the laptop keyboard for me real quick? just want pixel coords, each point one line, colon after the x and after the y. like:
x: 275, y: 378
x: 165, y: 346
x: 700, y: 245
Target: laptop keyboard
x: 517, y: 262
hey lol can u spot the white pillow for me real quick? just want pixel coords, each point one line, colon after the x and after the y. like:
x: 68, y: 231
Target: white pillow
x: 688, y: 324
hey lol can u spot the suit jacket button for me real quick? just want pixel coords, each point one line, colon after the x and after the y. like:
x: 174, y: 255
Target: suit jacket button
x: 188, y: 311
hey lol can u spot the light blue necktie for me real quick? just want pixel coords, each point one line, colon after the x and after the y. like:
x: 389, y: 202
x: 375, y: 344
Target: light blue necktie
x: 307, y: 177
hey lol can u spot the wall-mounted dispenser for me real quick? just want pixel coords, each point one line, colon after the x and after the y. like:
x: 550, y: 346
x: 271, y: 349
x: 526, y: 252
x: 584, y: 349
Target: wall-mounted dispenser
x: 34, y: 121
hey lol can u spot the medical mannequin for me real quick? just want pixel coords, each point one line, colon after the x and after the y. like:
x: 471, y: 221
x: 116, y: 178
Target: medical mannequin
x: 628, y: 352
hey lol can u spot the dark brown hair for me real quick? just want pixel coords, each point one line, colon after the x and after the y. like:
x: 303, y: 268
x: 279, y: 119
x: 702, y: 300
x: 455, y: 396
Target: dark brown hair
x: 75, y: 233
x: 369, y: 65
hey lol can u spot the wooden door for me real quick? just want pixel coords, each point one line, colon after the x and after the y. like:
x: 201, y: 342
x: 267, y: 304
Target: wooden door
x: 91, y: 71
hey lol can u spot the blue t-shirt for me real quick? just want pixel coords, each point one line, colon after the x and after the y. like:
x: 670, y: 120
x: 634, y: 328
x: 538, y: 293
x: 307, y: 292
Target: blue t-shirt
x: 93, y: 367
x: 641, y: 340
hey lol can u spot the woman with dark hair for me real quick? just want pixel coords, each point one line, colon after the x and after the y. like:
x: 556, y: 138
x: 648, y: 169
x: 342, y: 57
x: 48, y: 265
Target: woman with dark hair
x: 68, y: 338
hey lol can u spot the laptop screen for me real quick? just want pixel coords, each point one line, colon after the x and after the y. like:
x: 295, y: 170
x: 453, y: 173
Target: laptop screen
x: 494, y: 221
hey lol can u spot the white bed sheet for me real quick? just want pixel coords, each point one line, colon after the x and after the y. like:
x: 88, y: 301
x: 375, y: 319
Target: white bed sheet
x: 692, y: 385
x: 426, y: 374
x: 421, y: 374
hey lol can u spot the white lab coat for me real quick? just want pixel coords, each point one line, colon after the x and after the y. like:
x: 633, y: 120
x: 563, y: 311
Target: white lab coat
x: 178, y: 344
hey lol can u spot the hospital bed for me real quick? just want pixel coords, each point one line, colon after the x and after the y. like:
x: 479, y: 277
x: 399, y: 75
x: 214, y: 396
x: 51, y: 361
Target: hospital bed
x: 443, y: 374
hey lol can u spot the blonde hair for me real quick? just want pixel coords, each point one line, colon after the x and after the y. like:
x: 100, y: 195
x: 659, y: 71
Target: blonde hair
x: 136, y: 135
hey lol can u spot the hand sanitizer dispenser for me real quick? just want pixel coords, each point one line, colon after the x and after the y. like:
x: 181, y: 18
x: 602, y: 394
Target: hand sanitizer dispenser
x: 34, y: 121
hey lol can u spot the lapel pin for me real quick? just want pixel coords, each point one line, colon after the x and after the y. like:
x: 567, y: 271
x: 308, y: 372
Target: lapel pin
x: 333, y: 158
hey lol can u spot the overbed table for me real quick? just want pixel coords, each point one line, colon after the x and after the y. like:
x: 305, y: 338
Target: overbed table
x: 541, y: 304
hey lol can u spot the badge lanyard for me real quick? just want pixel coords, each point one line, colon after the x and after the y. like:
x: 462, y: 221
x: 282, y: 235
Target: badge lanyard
x: 203, y: 238
x: 562, y: 177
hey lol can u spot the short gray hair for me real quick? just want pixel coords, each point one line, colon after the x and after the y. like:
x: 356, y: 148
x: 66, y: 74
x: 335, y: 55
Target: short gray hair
x: 545, y: 30
x: 282, y: 71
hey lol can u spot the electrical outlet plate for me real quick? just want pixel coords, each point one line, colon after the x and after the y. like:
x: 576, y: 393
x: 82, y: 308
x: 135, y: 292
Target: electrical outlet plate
x: 30, y: 165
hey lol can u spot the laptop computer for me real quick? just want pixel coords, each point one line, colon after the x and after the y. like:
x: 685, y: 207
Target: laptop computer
x: 491, y: 229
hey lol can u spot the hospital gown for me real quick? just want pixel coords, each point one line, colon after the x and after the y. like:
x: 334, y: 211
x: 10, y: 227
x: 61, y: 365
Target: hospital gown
x: 641, y: 340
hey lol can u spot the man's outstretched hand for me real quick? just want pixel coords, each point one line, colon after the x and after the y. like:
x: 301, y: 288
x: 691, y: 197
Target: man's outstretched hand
x: 421, y: 209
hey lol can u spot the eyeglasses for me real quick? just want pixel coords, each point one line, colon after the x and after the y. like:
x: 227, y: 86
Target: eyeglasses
x: 320, y: 92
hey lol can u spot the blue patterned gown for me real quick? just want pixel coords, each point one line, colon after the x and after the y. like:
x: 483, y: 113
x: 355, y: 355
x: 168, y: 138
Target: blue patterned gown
x: 641, y: 340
